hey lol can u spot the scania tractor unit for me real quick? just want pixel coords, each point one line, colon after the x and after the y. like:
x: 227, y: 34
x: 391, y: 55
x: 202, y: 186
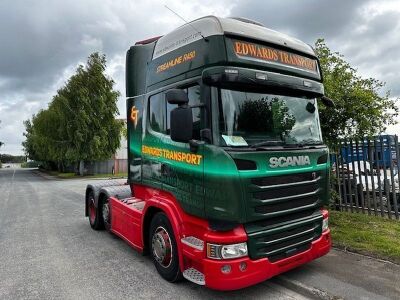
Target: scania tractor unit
x: 228, y: 176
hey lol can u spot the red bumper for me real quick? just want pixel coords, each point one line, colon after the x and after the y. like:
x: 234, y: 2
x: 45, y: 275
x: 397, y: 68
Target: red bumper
x: 259, y: 270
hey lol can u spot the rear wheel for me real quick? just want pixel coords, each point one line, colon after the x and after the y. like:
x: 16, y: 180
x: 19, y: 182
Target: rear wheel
x: 163, y: 248
x: 95, y: 218
x: 106, y: 214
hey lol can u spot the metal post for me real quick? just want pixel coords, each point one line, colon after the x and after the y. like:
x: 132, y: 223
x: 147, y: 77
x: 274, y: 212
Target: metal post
x: 348, y: 179
x: 354, y: 177
x: 338, y: 179
x: 378, y: 170
x: 371, y: 163
x: 343, y: 179
x: 366, y: 174
x: 385, y: 179
x: 360, y: 187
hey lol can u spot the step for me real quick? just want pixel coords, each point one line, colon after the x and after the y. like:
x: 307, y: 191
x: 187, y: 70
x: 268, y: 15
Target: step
x: 195, y: 276
x: 193, y: 242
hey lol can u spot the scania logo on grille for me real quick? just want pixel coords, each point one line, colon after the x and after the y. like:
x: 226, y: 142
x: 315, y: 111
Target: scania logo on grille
x: 289, y: 161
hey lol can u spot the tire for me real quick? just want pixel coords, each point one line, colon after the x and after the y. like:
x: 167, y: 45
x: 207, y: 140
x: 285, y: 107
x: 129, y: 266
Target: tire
x: 163, y: 248
x: 106, y: 214
x: 95, y: 217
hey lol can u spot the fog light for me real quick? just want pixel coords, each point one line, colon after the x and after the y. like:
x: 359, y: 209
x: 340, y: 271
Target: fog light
x: 242, y: 266
x: 226, y: 269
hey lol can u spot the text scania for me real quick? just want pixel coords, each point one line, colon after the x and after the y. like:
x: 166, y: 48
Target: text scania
x: 289, y: 161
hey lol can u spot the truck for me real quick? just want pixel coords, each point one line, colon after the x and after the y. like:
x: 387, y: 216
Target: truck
x: 228, y: 179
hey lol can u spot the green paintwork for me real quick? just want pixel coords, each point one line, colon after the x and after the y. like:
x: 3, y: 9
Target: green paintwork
x: 214, y: 189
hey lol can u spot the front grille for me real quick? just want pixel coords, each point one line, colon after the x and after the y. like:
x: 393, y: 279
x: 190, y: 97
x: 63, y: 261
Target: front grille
x: 280, y: 206
x: 285, y: 240
x: 287, y: 192
x: 292, y: 178
x: 283, y: 219
x: 286, y: 213
x: 279, y: 256
x: 277, y: 195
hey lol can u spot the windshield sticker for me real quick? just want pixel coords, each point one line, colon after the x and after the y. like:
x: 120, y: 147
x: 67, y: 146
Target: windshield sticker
x: 232, y: 140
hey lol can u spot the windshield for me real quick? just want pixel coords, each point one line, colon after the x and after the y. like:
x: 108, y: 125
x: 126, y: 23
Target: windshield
x: 255, y: 119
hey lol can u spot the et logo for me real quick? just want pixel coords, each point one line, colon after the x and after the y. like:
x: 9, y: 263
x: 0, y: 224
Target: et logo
x: 134, y: 115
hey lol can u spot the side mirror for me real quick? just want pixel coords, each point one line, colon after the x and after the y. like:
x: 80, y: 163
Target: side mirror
x: 181, y: 124
x: 177, y: 96
x: 327, y: 101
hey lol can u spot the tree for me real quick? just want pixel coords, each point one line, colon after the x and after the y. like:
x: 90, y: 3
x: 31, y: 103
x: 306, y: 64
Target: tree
x: 361, y: 109
x: 79, y: 124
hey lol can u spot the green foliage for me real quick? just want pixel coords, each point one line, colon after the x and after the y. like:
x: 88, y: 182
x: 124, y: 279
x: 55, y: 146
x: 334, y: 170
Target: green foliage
x: 8, y: 158
x: 361, y: 109
x: 30, y: 164
x: 370, y: 235
x: 79, y: 124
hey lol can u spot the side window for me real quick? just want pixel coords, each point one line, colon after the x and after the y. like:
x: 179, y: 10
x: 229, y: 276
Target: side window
x: 194, y: 99
x: 157, y: 114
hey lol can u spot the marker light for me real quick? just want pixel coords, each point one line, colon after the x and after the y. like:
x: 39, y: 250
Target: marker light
x: 231, y: 71
x: 261, y: 76
x: 325, y: 224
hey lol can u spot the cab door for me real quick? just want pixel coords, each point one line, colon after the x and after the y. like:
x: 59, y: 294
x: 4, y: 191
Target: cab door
x: 172, y: 166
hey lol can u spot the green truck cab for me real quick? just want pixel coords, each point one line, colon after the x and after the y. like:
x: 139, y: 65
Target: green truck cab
x: 223, y: 126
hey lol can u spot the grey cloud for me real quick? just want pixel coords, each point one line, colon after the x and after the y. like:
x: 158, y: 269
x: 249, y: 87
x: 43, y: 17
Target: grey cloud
x: 42, y: 41
x: 368, y: 39
x: 307, y: 19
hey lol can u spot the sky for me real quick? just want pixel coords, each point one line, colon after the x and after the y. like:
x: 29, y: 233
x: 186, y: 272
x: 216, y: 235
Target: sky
x: 43, y: 41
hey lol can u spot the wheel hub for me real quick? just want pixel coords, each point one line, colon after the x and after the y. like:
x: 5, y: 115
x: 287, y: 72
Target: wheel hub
x: 162, y: 247
x: 106, y: 212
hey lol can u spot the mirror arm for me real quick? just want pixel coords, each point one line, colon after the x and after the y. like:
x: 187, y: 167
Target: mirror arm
x: 194, y: 145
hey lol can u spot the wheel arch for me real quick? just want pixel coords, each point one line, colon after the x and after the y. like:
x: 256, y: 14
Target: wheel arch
x: 173, y: 214
x: 149, y: 214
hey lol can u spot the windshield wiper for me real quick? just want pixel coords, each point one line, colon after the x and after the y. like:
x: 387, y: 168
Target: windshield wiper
x: 310, y: 142
x: 305, y: 143
x: 267, y: 143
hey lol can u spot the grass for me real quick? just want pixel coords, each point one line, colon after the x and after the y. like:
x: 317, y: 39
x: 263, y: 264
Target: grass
x: 119, y: 175
x: 370, y: 235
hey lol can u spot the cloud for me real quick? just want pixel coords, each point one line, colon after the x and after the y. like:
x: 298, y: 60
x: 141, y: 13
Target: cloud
x: 367, y: 32
x: 42, y: 42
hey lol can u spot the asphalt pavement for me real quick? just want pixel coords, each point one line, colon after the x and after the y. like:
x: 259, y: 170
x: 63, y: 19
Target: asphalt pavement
x: 49, y: 251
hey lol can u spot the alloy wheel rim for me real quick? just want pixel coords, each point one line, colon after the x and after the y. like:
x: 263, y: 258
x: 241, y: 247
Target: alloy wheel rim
x: 162, y: 247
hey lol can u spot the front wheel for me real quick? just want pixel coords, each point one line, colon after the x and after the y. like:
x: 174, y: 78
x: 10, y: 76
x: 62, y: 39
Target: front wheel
x: 163, y: 248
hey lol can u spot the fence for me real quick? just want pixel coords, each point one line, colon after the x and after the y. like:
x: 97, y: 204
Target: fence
x: 366, y: 176
x: 112, y: 166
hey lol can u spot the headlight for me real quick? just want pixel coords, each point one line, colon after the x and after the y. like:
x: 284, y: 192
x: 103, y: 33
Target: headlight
x: 226, y: 251
x: 325, y: 224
